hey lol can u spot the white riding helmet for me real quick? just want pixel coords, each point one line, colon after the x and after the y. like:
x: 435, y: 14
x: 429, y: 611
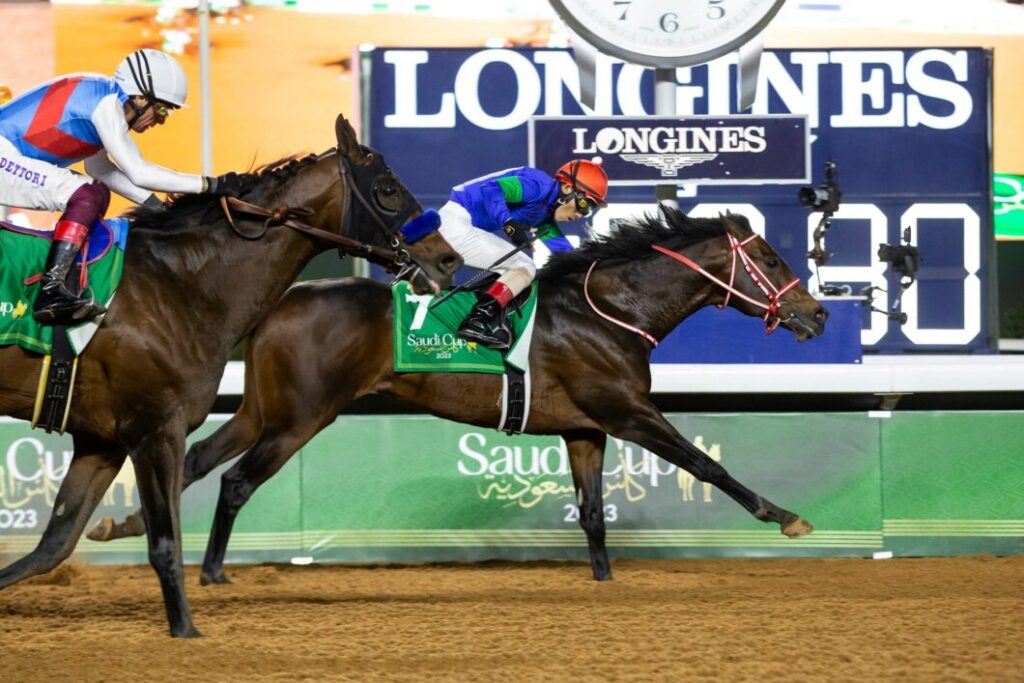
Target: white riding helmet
x: 153, y: 74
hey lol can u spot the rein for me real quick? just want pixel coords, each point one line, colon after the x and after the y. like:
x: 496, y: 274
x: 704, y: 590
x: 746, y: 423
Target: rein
x: 636, y: 330
x: 772, y: 293
x: 286, y: 216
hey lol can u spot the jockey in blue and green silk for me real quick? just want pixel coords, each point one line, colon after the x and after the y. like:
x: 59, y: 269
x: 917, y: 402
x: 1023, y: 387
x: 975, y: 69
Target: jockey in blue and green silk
x: 88, y: 116
x: 524, y: 203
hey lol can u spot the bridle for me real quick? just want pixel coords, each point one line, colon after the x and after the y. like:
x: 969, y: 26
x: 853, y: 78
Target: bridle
x: 772, y: 293
x: 392, y: 230
x: 289, y: 217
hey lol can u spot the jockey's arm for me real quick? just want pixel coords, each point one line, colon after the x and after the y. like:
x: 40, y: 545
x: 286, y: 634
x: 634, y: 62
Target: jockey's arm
x: 552, y: 237
x: 122, y: 150
x: 498, y: 194
x: 101, y: 168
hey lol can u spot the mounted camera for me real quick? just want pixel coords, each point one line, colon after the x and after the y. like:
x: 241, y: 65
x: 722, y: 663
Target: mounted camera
x: 824, y: 197
x: 904, y: 259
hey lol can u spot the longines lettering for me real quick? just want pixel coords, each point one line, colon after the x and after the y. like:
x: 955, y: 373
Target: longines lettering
x: 879, y: 88
x: 667, y: 140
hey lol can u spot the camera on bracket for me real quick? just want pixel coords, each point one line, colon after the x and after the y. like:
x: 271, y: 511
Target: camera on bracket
x: 902, y: 258
x: 824, y: 197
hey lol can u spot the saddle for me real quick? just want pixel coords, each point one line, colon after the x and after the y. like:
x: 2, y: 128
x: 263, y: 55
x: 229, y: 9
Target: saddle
x: 22, y: 257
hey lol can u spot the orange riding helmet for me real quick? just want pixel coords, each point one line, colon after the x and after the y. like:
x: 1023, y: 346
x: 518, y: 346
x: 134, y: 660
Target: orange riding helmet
x: 585, y: 177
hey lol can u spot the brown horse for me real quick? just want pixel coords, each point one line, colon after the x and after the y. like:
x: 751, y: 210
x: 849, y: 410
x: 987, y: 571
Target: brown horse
x: 591, y: 377
x: 192, y: 289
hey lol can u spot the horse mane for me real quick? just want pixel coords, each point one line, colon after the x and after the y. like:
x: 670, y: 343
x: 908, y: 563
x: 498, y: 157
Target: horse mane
x: 185, y: 209
x: 631, y: 240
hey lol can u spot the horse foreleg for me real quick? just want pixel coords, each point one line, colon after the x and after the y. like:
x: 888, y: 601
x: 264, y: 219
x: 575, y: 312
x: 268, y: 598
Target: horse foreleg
x: 586, y: 459
x: 93, y: 467
x: 647, y: 427
x: 158, y: 463
x: 233, y: 437
x: 262, y: 461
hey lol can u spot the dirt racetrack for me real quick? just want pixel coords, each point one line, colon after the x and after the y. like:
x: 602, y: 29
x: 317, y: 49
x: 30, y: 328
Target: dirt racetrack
x: 956, y: 619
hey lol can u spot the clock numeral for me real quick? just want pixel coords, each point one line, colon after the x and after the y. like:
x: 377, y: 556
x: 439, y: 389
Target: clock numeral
x: 715, y: 9
x: 669, y: 22
x: 625, y: 7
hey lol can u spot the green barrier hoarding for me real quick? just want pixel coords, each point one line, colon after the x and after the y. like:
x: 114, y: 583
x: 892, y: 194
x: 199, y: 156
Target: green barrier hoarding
x: 1008, y: 206
x: 954, y: 483
x: 415, y: 488
x: 407, y: 488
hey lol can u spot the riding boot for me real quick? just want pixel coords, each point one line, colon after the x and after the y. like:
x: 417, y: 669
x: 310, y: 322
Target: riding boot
x: 55, y: 303
x: 486, y: 324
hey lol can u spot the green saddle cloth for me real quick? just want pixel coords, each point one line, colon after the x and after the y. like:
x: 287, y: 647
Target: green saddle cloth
x: 426, y: 339
x: 23, y: 254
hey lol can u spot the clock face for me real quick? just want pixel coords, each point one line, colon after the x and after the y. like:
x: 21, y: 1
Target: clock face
x: 667, y: 32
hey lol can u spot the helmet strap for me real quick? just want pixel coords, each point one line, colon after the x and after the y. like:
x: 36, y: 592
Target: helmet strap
x: 137, y: 111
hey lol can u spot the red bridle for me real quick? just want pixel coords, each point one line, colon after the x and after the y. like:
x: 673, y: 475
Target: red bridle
x: 771, y: 292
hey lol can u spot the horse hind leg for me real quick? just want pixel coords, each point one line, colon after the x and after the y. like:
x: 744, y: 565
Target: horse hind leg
x: 233, y: 437
x: 93, y: 467
x: 268, y: 455
x: 586, y: 459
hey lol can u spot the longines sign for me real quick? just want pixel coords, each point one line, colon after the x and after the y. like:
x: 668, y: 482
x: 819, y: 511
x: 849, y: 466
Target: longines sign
x: 909, y: 129
x: 733, y: 150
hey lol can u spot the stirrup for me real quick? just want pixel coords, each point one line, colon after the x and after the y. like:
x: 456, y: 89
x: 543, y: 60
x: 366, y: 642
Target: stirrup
x: 68, y: 313
x: 485, y: 337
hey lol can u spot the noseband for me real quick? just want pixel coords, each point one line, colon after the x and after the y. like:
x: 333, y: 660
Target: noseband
x: 771, y: 292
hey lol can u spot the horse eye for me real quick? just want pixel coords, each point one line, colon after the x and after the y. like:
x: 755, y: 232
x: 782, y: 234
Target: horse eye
x: 388, y: 190
x: 771, y: 262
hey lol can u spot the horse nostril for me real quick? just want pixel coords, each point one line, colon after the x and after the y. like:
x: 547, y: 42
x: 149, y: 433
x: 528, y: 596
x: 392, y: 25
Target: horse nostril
x: 821, y: 315
x: 450, y: 263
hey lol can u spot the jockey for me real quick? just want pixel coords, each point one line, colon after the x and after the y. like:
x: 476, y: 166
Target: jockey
x: 523, y: 202
x: 88, y: 116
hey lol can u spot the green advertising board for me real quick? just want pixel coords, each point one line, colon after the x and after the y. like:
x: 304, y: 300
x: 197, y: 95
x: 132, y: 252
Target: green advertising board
x: 412, y: 488
x: 1008, y: 206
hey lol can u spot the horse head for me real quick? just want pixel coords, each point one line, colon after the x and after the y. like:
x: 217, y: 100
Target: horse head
x: 379, y: 205
x: 762, y: 284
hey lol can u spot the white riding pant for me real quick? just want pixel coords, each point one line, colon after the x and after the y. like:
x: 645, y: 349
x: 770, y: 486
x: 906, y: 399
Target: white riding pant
x: 27, y: 183
x: 480, y: 248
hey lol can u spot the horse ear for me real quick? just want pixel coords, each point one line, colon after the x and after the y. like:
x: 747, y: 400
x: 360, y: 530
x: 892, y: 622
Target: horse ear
x: 736, y: 223
x: 346, y: 135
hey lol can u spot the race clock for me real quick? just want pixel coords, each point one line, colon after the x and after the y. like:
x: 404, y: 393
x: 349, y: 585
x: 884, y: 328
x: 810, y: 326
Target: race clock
x: 670, y: 33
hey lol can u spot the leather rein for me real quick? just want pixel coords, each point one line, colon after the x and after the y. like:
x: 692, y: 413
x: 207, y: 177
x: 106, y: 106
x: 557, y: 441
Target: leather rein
x: 289, y: 218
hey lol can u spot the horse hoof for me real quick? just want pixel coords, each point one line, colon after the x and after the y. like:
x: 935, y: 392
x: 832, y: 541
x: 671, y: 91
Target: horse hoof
x: 102, y: 530
x: 190, y: 632
x: 797, y: 528
x: 208, y: 579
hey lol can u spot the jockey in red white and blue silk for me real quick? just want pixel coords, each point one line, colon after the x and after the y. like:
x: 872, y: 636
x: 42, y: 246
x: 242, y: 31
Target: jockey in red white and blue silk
x: 525, y: 203
x: 88, y: 116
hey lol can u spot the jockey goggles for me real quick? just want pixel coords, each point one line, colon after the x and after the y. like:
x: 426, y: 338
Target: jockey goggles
x: 162, y: 109
x: 584, y: 205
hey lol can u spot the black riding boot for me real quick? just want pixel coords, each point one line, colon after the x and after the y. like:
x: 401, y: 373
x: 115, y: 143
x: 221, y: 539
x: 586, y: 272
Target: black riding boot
x: 486, y: 324
x: 55, y: 303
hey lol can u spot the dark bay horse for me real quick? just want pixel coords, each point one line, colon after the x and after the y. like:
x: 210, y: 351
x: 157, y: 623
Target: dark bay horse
x: 192, y: 289
x: 591, y: 376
